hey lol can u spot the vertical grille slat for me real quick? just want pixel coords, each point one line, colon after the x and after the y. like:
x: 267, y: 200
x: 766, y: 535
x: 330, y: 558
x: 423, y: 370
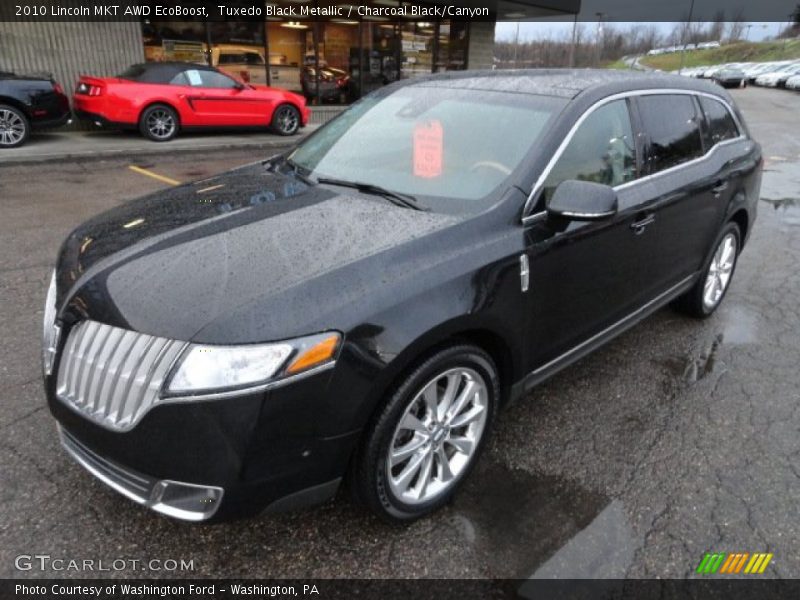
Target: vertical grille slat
x: 104, y: 362
x: 126, y: 345
x: 85, y: 367
x: 113, y: 376
x: 143, y: 384
x: 95, y: 368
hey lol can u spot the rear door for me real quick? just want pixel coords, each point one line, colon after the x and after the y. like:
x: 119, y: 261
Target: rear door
x: 688, y: 191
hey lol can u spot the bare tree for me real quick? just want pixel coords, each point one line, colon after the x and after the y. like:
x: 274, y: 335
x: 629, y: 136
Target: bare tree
x: 736, y: 27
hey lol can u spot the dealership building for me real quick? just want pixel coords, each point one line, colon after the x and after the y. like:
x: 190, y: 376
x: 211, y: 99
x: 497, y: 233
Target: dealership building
x: 311, y: 55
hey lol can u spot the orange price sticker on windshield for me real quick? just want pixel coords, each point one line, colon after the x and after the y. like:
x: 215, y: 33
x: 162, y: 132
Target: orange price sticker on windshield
x: 428, y: 149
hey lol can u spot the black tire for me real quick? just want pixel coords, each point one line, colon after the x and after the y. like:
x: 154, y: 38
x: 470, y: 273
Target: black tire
x: 159, y: 123
x: 286, y: 120
x: 14, y: 127
x: 692, y: 302
x: 368, y: 476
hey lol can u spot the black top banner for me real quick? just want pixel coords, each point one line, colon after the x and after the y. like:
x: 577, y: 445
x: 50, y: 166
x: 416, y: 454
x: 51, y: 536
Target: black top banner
x: 398, y: 10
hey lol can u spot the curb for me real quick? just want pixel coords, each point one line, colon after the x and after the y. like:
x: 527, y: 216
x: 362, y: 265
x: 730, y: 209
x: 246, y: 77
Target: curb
x: 123, y: 153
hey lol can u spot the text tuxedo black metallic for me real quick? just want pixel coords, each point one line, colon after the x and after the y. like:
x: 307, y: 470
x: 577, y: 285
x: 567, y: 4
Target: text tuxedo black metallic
x: 361, y: 307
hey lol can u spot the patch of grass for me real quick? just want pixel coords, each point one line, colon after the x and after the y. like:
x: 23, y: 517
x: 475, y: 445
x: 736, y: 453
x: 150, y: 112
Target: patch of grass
x: 617, y: 64
x: 738, y: 52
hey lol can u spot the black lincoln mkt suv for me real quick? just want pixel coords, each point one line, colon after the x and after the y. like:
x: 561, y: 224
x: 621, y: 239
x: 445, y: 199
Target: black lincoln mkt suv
x: 358, y: 309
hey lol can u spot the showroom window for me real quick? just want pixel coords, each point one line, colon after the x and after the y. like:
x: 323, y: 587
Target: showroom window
x: 329, y: 62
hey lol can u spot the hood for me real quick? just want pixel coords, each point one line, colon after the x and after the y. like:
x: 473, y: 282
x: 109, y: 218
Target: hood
x: 173, y: 262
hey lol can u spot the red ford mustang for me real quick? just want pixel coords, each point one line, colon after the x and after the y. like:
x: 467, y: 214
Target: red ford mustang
x: 160, y: 99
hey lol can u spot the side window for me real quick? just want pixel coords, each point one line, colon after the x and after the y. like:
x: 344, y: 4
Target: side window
x: 602, y: 150
x: 673, y: 127
x: 231, y: 59
x: 253, y: 58
x: 212, y: 79
x: 179, y: 79
x: 721, y: 125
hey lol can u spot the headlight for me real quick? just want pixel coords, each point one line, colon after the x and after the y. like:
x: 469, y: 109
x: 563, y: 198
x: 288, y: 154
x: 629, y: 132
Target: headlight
x: 50, y: 331
x: 214, y: 369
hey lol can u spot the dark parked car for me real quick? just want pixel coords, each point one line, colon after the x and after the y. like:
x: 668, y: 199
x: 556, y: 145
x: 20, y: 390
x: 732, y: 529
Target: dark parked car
x: 29, y: 102
x: 330, y: 85
x: 362, y: 306
x: 730, y: 78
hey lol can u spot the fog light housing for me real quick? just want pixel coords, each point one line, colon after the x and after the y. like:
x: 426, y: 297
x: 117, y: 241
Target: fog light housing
x: 185, y: 500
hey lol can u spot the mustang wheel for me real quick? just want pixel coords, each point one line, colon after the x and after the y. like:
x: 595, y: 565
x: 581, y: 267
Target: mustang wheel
x: 159, y: 123
x: 14, y: 127
x: 707, y: 294
x: 286, y: 120
x: 429, y: 435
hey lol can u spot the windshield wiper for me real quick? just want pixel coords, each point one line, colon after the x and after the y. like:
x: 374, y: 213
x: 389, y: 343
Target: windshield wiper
x: 404, y: 200
x: 297, y: 170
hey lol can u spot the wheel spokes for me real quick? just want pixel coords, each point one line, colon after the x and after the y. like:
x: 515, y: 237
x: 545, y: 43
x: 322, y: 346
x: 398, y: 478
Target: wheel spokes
x: 403, y: 452
x: 467, y: 418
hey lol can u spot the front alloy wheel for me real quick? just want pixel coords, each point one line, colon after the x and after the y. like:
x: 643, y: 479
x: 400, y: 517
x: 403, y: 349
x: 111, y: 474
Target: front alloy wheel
x: 428, y: 436
x: 437, y: 436
x: 286, y: 120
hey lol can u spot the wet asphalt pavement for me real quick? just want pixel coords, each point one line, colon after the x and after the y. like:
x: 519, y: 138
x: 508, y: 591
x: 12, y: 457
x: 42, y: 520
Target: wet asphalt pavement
x: 678, y: 438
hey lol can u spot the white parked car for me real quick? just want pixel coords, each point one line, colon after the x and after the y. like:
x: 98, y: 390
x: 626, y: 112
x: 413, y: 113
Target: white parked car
x: 778, y: 78
x: 793, y: 83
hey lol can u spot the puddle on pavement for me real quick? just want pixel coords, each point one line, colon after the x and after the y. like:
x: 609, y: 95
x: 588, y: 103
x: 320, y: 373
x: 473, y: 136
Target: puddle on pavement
x: 739, y: 326
x: 693, y: 367
x: 788, y: 209
x: 525, y: 525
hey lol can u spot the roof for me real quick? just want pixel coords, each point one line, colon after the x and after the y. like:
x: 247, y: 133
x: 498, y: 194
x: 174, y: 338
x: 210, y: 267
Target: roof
x: 155, y: 72
x: 563, y: 83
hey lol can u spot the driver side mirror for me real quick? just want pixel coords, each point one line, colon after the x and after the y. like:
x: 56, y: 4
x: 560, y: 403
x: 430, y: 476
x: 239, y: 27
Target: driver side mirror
x: 583, y: 201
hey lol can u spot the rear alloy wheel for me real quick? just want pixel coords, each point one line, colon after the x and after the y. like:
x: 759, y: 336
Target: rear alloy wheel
x: 286, y: 120
x: 707, y: 294
x: 429, y: 435
x: 159, y: 123
x: 14, y: 127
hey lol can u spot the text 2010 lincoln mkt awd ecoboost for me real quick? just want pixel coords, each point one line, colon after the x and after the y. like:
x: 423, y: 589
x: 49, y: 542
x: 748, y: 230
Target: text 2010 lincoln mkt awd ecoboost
x: 358, y: 309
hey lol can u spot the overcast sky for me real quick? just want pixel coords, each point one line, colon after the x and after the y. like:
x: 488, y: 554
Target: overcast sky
x: 531, y: 30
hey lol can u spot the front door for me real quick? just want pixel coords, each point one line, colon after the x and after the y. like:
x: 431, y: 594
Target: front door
x: 585, y: 276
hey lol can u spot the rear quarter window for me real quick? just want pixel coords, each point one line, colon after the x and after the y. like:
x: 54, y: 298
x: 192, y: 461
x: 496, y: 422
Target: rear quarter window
x: 720, y: 125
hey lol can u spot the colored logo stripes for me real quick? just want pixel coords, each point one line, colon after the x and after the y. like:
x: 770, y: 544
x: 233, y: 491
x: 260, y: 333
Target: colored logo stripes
x: 734, y: 563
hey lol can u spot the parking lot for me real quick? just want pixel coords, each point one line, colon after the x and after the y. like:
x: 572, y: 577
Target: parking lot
x: 679, y: 438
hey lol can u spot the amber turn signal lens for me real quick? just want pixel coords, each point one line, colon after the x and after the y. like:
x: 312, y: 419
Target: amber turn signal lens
x: 317, y: 354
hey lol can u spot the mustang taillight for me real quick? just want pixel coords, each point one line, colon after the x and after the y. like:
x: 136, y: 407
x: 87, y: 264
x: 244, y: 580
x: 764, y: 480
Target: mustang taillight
x: 88, y: 90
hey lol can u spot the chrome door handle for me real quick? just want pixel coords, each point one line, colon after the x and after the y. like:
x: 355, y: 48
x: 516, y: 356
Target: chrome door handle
x: 639, y: 226
x: 720, y: 187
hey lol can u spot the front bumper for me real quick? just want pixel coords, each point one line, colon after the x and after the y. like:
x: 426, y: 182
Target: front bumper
x: 187, y: 501
x: 222, y: 459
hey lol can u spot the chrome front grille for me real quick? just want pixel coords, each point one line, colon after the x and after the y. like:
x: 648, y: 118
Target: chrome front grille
x: 112, y: 375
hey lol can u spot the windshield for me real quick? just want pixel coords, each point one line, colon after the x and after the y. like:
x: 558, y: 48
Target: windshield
x: 448, y: 147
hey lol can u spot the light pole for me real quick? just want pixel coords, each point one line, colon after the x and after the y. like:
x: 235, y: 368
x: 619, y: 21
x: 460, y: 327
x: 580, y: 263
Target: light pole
x: 516, y: 45
x: 683, y: 39
x: 572, y: 46
x: 599, y: 35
